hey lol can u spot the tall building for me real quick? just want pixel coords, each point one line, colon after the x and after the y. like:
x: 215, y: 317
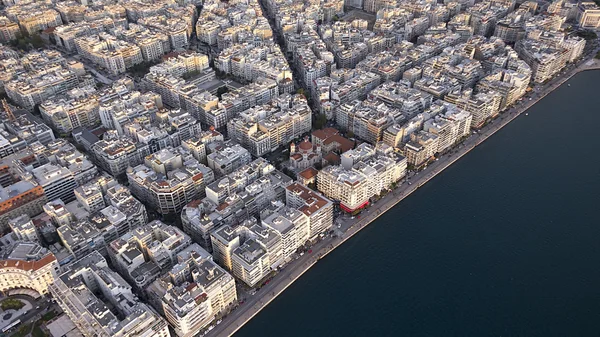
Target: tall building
x: 364, y: 172
x: 58, y: 182
x: 74, y: 293
x: 145, y: 252
x: 22, y: 197
x: 248, y: 250
x: 193, y: 292
x: 588, y: 15
x: 314, y: 205
x: 24, y: 229
x: 169, y: 179
x: 228, y: 158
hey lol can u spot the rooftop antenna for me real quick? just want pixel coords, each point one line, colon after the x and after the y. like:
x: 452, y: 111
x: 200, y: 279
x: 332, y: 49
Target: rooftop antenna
x: 8, y: 110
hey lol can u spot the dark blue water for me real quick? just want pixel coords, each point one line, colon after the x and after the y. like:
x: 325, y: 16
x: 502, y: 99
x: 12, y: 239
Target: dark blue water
x: 506, y: 242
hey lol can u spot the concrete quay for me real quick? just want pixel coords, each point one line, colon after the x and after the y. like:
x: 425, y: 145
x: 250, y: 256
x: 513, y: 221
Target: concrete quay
x: 349, y: 227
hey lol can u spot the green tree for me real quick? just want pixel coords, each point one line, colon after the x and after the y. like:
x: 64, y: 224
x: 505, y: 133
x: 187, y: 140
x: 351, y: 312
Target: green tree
x: 36, y: 41
x: 191, y: 74
x: 320, y: 121
x: 222, y: 90
x: 301, y: 92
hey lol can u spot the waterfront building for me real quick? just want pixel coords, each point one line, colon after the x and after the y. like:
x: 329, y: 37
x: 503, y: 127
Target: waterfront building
x: 193, y: 292
x: 545, y: 61
x: 362, y: 175
x: 293, y: 228
x: 318, y: 208
x: 247, y: 249
x: 421, y: 148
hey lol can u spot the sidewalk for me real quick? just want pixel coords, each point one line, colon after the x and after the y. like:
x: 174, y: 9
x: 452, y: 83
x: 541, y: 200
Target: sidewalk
x: 235, y: 320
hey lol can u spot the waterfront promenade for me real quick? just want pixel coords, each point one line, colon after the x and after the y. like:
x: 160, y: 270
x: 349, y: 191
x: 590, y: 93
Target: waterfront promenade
x: 349, y: 227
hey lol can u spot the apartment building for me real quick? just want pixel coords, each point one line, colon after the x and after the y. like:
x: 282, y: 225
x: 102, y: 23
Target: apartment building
x: 74, y: 293
x: 169, y: 179
x: 115, y: 154
x: 318, y: 208
x: 78, y: 108
x: 227, y: 158
x: 264, y: 128
x: 144, y: 253
x: 24, y: 229
x: 22, y: 197
x: 193, y: 292
x: 105, y: 50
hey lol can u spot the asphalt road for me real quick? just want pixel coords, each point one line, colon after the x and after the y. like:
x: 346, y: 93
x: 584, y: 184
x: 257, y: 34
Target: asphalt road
x: 349, y: 227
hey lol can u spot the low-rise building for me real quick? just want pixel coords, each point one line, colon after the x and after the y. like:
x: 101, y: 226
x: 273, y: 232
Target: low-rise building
x: 28, y: 266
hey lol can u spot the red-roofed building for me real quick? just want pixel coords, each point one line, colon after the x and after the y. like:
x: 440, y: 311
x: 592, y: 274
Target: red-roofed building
x: 314, y: 205
x: 33, y: 274
x: 330, y: 140
x: 304, y: 155
x: 307, y: 176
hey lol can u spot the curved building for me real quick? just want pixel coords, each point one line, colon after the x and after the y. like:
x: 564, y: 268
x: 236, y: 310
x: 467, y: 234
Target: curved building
x: 29, y: 266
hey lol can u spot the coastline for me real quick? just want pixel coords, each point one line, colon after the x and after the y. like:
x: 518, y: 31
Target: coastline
x: 253, y: 305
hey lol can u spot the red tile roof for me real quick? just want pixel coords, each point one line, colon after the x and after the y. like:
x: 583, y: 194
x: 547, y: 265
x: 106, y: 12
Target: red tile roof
x: 28, y: 265
x: 308, y: 173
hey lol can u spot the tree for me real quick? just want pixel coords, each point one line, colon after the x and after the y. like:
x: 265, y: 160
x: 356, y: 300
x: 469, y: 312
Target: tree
x: 191, y: 74
x: 221, y: 91
x: 320, y: 121
x: 350, y: 134
x: 301, y: 92
x: 22, y: 44
x: 36, y: 41
x: 587, y: 34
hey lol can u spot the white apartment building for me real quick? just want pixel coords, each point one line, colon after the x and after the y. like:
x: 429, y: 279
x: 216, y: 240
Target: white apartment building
x: 114, y: 55
x: 193, y: 292
x: 74, y: 293
x: 143, y: 253
x: 228, y: 158
x: 169, y: 179
x: 24, y: 229
x: 58, y: 182
x: 314, y: 205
